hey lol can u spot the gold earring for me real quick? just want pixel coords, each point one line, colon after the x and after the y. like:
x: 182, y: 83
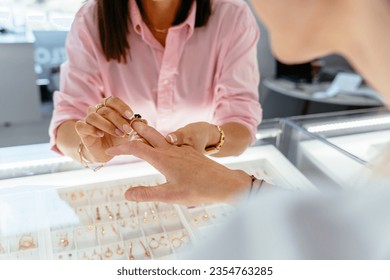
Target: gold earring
x: 147, y: 252
x: 131, y: 212
x: 145, y: 217
x: 131, y: 257
x: 26, y: 242
x: 110, y: 215
x: 98, y: 218
x: 154, y: 244
x: 205, y: 216
x: 64, y: 241
x: 108, y: 253
x: 96, y: 256
x: 119, y: 250
x: 113, y: 228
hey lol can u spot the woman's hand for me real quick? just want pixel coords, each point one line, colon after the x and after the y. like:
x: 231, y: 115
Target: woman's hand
x: 198, y: 135
x: 107, y: 124
x: 192, y: 178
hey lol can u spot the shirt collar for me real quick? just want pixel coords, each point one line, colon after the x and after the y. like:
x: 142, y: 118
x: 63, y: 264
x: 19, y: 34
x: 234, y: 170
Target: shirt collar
x: 136, y: 18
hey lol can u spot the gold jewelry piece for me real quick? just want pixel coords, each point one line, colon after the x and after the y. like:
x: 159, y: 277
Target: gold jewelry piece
x: 87, y: 163
x: 98, y: 217
x: 113, y: 228
x: 154, y: 244
x: 210, y: 150
x: 98, y: 106
x: 96, y: 256
x: 103, y: 231
x: 155, y: 217
x: 119, y: 250
x: 108, y: 253
x: 205, y: 216
x: 131, y: 213
x: 145, y: 217
x: 64, y: 241
x: 110, y: 215
x: 119, y: 216
x: 105, y: 100
x: 26, y: 242
x: 178, y: 241
x: 131, y: 256
x: 147, y: 252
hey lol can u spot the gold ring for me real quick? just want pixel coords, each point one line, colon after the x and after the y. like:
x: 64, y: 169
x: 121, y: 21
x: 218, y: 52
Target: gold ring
x: 105, y: 100
x: 98, y: 106
x: 135, y: 117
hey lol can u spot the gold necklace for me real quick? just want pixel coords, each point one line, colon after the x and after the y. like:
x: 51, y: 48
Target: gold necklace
x: 158, y: 30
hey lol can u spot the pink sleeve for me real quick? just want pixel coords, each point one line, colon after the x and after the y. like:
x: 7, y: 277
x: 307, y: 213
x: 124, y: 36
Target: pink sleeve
x: 236, y: 90
x: 81, y: 82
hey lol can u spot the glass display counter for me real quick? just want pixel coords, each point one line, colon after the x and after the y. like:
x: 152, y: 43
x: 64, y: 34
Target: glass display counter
x: 345, y: 143
x: 80, y: 214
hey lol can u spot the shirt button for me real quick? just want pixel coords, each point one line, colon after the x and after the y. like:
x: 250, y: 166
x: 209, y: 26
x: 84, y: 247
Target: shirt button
x: 166, y: 81
x: 138, y: 28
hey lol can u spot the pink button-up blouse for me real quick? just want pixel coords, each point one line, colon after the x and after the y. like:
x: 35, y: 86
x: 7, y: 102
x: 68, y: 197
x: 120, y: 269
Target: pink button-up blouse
x: 207, y: 74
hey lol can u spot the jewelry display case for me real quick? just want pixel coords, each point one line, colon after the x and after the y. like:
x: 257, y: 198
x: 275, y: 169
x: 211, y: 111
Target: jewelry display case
x: 344, y: 144
x: 80, y: 214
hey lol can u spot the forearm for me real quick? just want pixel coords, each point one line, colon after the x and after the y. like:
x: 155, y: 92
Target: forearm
x: 68, y: 140
x: 237, y: 139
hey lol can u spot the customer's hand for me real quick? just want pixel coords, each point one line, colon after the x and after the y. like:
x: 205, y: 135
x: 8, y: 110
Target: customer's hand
x: 107, y: 124
x: 198, y: 135
x: 192, y: 178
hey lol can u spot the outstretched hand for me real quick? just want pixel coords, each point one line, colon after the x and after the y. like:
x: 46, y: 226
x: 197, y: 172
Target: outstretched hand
x: 191, y: 178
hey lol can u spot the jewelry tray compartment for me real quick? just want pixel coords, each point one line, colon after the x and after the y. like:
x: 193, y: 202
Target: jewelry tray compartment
x: 95, y: 222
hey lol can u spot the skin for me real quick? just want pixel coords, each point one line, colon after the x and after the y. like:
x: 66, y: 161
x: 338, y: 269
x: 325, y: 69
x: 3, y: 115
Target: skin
x: 109, y: 125
x: 300, y: 30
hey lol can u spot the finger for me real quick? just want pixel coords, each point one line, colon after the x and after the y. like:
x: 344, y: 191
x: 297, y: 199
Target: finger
x: 178, y: 138
x: 104, y: 125
x: 141, y: 150
x: 116, y: 119
x: 84, y: 129
x: 152, y: 136
x: 118, y: 105
x: 91, y: 109
x: 161, y: 193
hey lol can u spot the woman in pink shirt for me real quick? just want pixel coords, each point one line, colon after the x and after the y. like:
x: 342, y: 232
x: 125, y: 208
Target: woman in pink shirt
x: 189, y: 67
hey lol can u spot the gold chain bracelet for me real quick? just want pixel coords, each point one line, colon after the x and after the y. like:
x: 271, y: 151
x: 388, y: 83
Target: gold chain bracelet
x: 87, y: 163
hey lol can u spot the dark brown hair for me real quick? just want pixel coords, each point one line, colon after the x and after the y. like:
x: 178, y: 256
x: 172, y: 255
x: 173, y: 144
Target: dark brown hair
x: 114, y: 23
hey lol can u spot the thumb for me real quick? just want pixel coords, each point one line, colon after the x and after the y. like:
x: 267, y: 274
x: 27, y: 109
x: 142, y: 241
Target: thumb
x: 151, y: 193
x: 177, y: 138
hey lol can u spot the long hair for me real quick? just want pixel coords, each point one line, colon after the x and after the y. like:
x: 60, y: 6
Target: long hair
x: 114, y: 24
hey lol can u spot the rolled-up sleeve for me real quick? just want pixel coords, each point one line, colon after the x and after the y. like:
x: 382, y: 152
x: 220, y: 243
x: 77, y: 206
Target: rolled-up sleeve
x: 81, y: 82
x: 236, y: 89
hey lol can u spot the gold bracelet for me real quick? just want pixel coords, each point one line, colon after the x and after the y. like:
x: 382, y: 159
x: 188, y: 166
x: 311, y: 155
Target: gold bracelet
x: 87, y: 163
x: 210, y: 150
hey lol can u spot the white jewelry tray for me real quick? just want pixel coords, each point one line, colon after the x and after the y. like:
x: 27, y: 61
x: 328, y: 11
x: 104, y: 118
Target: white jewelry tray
x: 84, y: 216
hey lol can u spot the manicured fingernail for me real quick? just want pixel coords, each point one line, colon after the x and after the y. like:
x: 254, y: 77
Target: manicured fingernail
x: 127, y: 128
x: 119, y: 133
x: 172, y: 138
x: 129, y: 114
x: 100, y: 133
